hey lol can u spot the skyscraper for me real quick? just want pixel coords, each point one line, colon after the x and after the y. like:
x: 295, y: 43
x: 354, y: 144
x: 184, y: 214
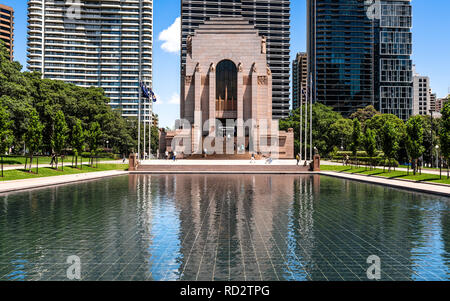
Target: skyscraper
x: 395, y: 75
x: 270, y: 18
x: 421, y: 95
x: 341, y: 54
x: 359, y: 54
x: 299, y: 79
x: 96, y: 43
x: 7, y: 27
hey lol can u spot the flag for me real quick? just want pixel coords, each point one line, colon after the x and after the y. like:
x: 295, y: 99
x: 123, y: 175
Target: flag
x: 153, y: 96
x: 145, y: 92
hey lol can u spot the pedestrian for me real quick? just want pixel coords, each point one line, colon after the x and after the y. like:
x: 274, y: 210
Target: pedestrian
x: 167, y: 155
x: 53, y: 159
x: 252, y: 160
x: 298, y: 159
x: 174, y: 156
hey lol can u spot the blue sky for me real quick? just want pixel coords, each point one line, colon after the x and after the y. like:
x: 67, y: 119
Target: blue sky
x: 431, y: 48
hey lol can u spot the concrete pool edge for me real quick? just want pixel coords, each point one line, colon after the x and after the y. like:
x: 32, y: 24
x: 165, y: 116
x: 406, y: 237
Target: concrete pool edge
x: 432, y: 188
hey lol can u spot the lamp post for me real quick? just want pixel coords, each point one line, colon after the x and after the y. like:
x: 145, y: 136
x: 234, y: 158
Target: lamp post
x: 440, y: 161
x: 107, y: 142
x: 431, y: 163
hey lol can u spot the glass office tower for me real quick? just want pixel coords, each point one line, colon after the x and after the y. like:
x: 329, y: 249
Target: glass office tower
x: 270, y: 17
x: 359, y: 54
x: 97, y: 43
x: 341, y: 54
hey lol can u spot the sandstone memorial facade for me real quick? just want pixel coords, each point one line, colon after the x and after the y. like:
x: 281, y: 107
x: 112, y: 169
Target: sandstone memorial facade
x: 226, y: 95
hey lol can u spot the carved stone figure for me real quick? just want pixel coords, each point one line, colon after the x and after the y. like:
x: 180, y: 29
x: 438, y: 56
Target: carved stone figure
x: 197, y: 67
x: 212, y: 67
x: 254, y: 68
x: 189, y: 44
x: 240, y: 68
x: 262, y: 80
x: 264, y: 45
x: 269, y: 72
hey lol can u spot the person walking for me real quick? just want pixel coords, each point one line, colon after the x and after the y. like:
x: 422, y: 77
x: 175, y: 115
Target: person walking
x: 298, y: 159
x: 252, y: 160
x: 174, y: 156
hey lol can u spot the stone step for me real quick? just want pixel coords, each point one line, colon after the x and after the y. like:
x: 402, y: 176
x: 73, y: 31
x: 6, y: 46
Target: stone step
x: 223, y: 168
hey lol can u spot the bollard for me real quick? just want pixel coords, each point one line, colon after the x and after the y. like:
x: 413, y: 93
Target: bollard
x: 132, y: 162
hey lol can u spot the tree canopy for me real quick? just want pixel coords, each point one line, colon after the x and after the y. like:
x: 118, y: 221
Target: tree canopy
x: 22, y: 93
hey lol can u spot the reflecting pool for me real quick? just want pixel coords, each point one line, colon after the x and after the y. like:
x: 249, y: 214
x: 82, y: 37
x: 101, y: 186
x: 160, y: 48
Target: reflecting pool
x: 223, y: 227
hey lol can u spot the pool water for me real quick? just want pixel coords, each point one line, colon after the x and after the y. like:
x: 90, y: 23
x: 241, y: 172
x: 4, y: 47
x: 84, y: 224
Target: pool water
x: 223, y: 227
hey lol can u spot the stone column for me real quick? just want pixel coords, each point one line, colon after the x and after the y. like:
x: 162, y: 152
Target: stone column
x: 212, y: 102
x: 254, y: 130
x: 240, y: 104
x: 197, y: 126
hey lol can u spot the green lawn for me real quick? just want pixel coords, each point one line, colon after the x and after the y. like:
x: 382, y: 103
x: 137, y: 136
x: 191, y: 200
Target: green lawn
x: 392, y: 175
x: 44, y: 160
x: 19, y: 174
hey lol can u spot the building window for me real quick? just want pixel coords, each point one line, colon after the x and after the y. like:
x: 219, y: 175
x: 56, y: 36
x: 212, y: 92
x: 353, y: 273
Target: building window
x: 226, y: 86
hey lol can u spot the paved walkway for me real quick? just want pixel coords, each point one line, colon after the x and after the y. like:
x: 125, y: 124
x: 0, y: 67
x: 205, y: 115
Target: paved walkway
x: 18, y: 185
x: 403, y: 184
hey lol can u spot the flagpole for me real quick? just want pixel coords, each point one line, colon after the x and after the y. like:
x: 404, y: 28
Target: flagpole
x: 306, y: 126
x: 139, y: 125
x: 301, y: 122
x: 150, y: 127
x: 145, y: 126
x: 311, y: 121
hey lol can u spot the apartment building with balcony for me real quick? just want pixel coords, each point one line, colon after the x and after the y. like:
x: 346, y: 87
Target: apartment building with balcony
x: 105, y: 43
x: 7, y: 27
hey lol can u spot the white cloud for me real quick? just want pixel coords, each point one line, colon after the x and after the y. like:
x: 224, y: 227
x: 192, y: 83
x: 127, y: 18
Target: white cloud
x: 175, y: 99
x: 171, y: 37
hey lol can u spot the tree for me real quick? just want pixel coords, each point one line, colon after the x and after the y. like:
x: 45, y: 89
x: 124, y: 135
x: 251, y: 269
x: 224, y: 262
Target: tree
x: 445, y: 134
x: 341, y: 133
x: 356, y: 138
x: 60, y: 135
x: 370, y: 144
x: 94, y: 134
x: 155, y: 139
x: 414, y: 139
x: 77, y: 140
x: 323, y: 118
x: 6, y: 135
x: 365, y: 114
x: 390, y: 139
x: 33, y: 136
